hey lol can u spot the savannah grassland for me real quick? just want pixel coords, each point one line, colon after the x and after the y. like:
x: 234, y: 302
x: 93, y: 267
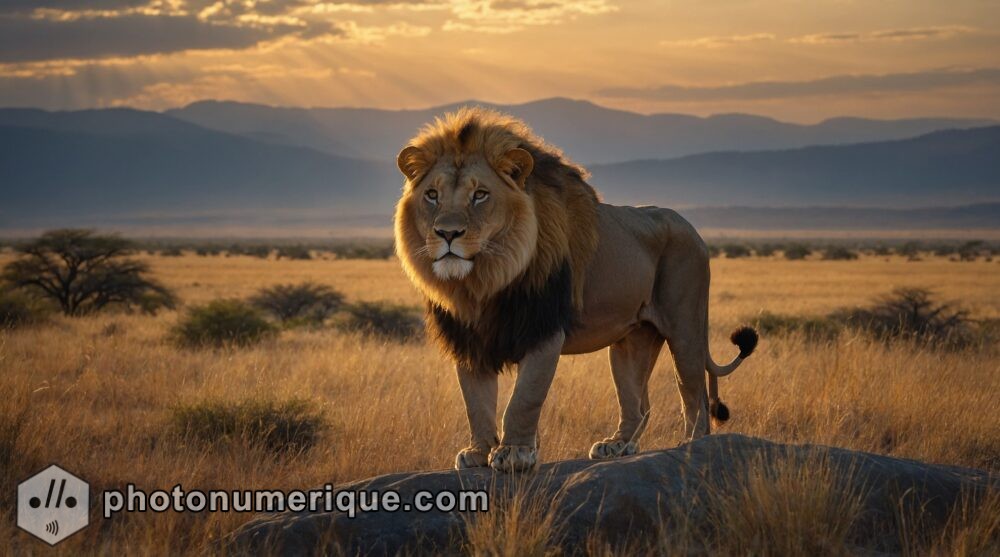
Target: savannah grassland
x: 95, y: 394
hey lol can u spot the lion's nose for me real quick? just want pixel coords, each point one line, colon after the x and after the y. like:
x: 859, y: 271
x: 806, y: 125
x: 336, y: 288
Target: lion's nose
x: 449, y: 235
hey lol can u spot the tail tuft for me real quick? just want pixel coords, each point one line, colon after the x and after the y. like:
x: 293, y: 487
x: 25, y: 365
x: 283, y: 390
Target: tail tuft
x: 718, y: 410
x: 746, y: 339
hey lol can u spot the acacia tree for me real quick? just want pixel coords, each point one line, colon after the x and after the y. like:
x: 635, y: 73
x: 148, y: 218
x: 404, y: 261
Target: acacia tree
x: 84, y: 272
x: 305, y: 302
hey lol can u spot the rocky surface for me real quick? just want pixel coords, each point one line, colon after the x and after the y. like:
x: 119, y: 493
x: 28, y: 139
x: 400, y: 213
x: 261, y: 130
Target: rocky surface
x: 627, y: 495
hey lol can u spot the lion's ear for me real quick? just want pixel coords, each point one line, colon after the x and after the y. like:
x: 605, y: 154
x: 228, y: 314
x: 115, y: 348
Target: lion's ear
x: 519, y: 165
x: 412, y: 162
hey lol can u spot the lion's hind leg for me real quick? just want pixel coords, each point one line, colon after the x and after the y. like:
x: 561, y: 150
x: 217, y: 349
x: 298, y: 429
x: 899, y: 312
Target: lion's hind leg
x: 689, y: 354
x: 632, y: 360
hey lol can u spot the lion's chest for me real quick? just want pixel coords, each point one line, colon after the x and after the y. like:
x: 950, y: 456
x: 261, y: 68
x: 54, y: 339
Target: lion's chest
x: 512, y: 323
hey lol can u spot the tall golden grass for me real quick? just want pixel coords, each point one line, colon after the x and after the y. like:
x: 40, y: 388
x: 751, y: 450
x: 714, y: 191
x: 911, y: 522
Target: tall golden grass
x: 95, y: 394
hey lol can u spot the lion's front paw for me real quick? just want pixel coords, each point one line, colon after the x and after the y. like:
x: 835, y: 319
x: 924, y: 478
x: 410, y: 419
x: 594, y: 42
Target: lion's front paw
x: 471, y: 457
x: 513, y: 458
x: 613, y: 448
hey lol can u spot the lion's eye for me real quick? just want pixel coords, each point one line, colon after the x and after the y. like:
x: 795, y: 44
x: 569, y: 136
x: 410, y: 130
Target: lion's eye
x: 480, y: 196
x: 431, y: 195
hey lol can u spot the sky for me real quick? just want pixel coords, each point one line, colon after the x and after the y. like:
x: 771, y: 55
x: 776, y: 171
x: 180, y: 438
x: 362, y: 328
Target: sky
x: 796, y: 60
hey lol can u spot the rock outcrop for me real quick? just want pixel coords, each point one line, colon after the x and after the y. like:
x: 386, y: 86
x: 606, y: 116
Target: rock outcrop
x: 628, y: 496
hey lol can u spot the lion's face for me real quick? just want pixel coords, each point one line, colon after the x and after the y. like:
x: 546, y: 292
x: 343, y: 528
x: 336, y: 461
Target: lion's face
x: 462, y: 221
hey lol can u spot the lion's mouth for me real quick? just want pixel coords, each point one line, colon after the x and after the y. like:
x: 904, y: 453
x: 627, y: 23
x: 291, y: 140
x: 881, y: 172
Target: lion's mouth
x: 453, y: 255
x: 452, y: 266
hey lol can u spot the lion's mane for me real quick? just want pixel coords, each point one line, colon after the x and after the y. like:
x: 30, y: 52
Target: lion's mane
x: 494, y: 317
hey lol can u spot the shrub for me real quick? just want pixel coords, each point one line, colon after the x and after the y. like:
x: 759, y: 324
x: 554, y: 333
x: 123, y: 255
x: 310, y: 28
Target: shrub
x: 222, y: 323
x: 910, y: 313
x: 906, y: 313
x: 971, y: 250
x: 765, y: 250
x: 84, y: 272
x: 796, y: 252
x: 363, y: 251
x: 814, y: 328
x: 736, y: 250
x: 288, y: 426
x: 943, y: 250
x: 294, y: 252
x: 304, y: 303
x: 205, y: 251
x: 713, y: 251
x: 171, y: 252
x: 910, y: 250
x: 262, y: 252
x: 384, y: 320
x: 17, y: 310
x: 14, y: 413
x: 839, y: 253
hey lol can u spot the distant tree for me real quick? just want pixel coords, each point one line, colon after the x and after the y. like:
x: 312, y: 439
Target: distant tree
x: 381, y: 250
x: 734, y: 251
x: 943, y: 250
x: 765, y: 250
x: 84, y: 272
x: 839, y: 253
x: 797, y: 251
x: 306, y: 302
x: 263, y: 252
x: 911, y: 313
x: 910, y: 250
x: 971, y: 250
x: 294, y: 252
x: 881, y: 250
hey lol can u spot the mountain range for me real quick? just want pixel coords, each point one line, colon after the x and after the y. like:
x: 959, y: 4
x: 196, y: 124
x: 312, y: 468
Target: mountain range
x: 234, y: 161
x: 587, y: 133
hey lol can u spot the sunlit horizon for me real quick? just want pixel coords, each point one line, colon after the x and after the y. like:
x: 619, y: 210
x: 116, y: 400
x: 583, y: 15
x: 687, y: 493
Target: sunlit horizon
x: 791, y: 60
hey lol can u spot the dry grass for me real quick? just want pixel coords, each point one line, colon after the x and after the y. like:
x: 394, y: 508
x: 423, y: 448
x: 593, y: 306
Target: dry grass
x: 787, y: 506
x: 95, y: 394
x: 519, y: 524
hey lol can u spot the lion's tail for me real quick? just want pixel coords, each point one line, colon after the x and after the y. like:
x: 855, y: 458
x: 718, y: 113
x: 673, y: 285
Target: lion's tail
x: 746, y: 339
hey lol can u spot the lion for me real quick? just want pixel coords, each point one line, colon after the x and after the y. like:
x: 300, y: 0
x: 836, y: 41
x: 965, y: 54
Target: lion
x: 520, y: 262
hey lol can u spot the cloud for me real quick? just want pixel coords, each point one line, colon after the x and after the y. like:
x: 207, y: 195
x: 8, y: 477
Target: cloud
x: 24, y: 40
x: 717, y: 42
x: 885, y: 35
x: 895, y: 35
x: 508, y: 16
x: 522, y: 5
x: 53, y: 30
x: 362, y: 34
x: 835, y: 85
x: 11, y: 7
x: 92, y: 29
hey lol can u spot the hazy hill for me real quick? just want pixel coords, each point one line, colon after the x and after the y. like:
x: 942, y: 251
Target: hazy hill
x: 981, y: 216
x: 112, y: 162
x: 125, y: 165
x: 941, y: 168
x: 586, y: 132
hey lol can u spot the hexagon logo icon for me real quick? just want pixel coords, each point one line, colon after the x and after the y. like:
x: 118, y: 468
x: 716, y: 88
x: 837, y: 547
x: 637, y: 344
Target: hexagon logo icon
x: 53, y: 504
